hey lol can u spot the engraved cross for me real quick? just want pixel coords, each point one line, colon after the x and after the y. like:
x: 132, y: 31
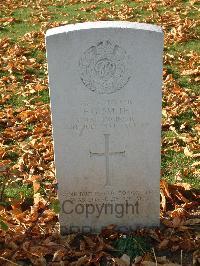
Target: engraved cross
x: 107, y: 155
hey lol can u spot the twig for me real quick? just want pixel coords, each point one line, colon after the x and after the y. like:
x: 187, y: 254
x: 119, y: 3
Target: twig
x: 181, y: 257
x: 137, y: 242
x: 155, y: 256
x: 3, y: 186
x: 41, y: 228
x: 2, y: 258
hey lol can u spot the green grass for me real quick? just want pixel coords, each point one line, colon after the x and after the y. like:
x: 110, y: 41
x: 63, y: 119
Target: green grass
x: 21, y: 26
x: 173, y: 162
x: 183, y: 81
x: 132, y: 246
x: 194, y: 14
x: 30, y: 127
x: 3, y: 74
x: 168, y: 134
x: 13, y: 156
x: 19, y: 189
x: 186, y: 117
x: 14, y: 189
x: 17, y: 30
x: 191, y: 45
x: 16, y: 101
x: 72, y: 13
x: 44, y: 96
x: 38, y: 55
x: 22, y: 14
x: 172, y: 70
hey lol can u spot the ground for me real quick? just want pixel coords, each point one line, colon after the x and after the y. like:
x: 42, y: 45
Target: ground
x: 28, y: 202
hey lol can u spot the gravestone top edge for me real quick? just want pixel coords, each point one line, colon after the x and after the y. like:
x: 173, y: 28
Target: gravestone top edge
x: 104, y: 25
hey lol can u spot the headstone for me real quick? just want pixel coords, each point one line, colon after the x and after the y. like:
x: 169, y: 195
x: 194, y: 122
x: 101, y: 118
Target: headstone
x: 105, y: 90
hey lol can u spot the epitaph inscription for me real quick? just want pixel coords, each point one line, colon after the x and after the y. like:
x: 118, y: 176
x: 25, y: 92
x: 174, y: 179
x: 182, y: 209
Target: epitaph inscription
x: 107, y: 155
x: 104, y: 68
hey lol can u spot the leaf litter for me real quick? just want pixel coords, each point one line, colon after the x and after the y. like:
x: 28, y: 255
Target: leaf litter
x: 29, y: 224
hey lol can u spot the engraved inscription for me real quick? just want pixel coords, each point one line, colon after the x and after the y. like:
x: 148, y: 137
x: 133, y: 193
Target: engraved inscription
x: 104, y: 68
x: 113, y: 114
x: 117, y: 203
x: 107, y: 154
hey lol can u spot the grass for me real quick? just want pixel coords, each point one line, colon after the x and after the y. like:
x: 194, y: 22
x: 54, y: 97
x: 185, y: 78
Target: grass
x: 13, y: 156
x: 38, y: 55
x: 22, y: 14
x: 172, y: 162
x: 44, y: 96
x: 16, y: 101
x: 30, y: 127
x: 192, y: 45
x: 132, y: 246
x: 73, y: 13
x: 186, y: 117
x: 19, y: 190
x: 183, y: 81
x: 17, y: 30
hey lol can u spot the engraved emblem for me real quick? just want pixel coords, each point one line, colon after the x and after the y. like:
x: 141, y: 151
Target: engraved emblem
x: 107, y: 155
x: 104, y: 68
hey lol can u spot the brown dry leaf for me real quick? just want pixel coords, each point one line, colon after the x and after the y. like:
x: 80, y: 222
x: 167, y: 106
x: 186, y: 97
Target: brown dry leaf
x: 186, y: 186
x: 40, y: 261
x: 180, y: 196
x: 178, y: 212
x: 7, y: 19
x: 137, y: 259
x: 177, y: 221
x: 88, y: 8
x: 121, y: 262
x: 89, y: 242
x: 150, y: 263
x: 163, y: 244
x: 58, y: 255
x: 164, y: 187
x: 4, y: 165
x: 125, y: 259
x: 187, y: 152
x: 39, y: 87
x: 193, y: 221
x: 81, y: 261
x: 36, y: 186
x: 48, y: 215
x: 39, y: 200
x: 178, y: 176
x: 162, y: 260
x: 196, y: 258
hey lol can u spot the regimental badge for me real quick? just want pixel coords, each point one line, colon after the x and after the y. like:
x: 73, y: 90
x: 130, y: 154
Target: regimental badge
x: 104, y: 68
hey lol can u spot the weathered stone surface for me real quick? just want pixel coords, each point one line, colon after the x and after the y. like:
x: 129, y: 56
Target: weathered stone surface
x: 105, y: 90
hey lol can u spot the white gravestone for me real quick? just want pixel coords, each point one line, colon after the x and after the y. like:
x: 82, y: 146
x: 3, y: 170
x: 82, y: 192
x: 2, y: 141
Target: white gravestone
x: 105, y: 90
